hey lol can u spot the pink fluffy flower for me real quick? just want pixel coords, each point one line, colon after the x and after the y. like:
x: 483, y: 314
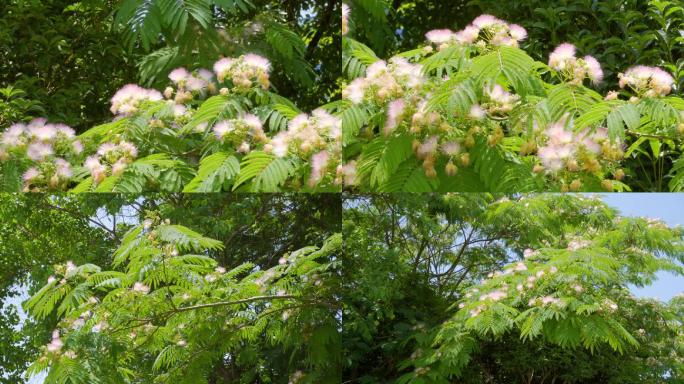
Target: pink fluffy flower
x: 178, y: 75
x: 38, y: 151
x: 127, y: 99
x: 467, y: 35
x: 559, y: 57
x: 31, y: 174
x: 319, y: 162
x: 439, y: 36
x: 355, y: 90
x: 222, y: 128
x: 451, y: 148
x: 223, y: 67
x: 485, y: 20
x: 63, y: 168
x: 13, y: 135
x: 476, y: 112
x: 593, y: 69
x: 257, y: 61
x: 42, y: 132
x: 517, y: 32
x: 395, y: 109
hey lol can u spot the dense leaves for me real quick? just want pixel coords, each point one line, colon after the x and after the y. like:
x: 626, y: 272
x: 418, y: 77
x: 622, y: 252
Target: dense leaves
x: 477, y: 113
x: 41, y: 231
x: 530, y: 288
x: 212, y: 131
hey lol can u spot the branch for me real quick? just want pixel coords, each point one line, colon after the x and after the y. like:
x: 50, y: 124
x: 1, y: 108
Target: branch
x: 323, y: 27
x: 242, y: 301
x: 82, y: 216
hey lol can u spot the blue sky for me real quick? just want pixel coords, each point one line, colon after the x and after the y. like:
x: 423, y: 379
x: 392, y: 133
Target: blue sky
x: 666, y: 206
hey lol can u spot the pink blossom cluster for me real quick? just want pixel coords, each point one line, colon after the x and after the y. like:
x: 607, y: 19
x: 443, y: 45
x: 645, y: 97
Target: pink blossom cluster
x: 56, y: 344
x: 140, y: 288
x: 647, y: 81
x: 497, y: 102
x: 187, y: 83
x: 484, y: 30
x: 316, y: 137
x: 573, y: 69
x: 245, y: 71
x: 46, y: 146
x: 385, y: 81
x: 110, y: 158
x: 346, y: 174
x: 128, y: 99
x: 241, y: 132
x: 567, y: 150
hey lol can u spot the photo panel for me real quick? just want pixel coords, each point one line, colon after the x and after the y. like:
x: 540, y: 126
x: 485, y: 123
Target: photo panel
x: 170, y: 96
x: 160, y: 288
x: 495, y: 288
x: 512, y: 96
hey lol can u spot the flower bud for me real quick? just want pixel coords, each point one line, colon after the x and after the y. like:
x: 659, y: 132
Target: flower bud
x: 450, y: 169
x: 607, y: 184
x: 575, y: 185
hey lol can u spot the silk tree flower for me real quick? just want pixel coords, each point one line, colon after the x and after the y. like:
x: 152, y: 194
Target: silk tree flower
x: 236, y: 131
x: 31, y: 174
x: 179, y: 75
x: 485, y: 20
x: 345, y: 18
x: 573, y: 69
x: 561, y: 55
x: 355, y: 91
x: 440, y: 36
x: 517, y: 32
x: 385, y: 81
x: 110, y: 157
x: 499, y: 101
x: 406, y: 73
x: 140, y: 288
x: 494, y: 295
x: 319, y: 162
x: 244, y: 71
x: 428, y: 147
x: 38, y: 151
x: 594, y: 71
x: 451, y: 148
x: 38, y: 130
x: 346, y: 174
x: 395, y: 110
x: 647, y: 81
x: 127, y: 100
x: 467, y: 35
x: 559, y: 148
x: 476, y: 112
x: 63, y: 169
x: 15, y: 135
x: 56, y: 344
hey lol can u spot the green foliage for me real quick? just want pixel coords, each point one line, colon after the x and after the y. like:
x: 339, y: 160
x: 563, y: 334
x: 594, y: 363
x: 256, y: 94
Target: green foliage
x: 474, y: 287
x: 254, y: 232
x: 501, y: 149
x: 157, y: 299
x: 65, y: 56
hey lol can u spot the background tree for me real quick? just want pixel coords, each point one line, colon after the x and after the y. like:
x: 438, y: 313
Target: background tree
x: 432, y: 291
x: 41, y: 231
x: 613, y: 31
x: 91, y: 48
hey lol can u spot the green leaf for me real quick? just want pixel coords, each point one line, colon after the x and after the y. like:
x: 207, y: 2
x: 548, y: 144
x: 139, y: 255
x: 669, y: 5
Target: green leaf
x: 267, y: 171
x: 215, y: 171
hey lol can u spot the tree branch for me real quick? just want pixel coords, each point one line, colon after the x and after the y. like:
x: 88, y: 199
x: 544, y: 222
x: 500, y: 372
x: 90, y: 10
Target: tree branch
x: 242, y: 301
x: 322, y: 27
